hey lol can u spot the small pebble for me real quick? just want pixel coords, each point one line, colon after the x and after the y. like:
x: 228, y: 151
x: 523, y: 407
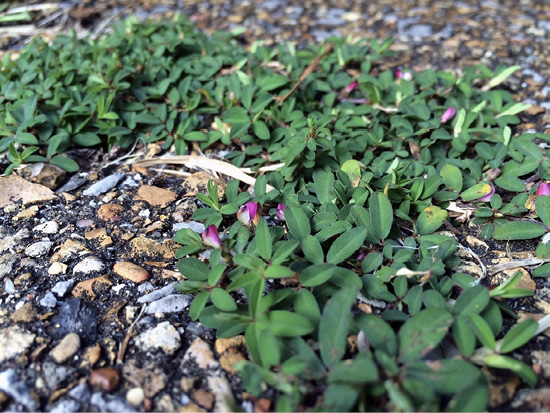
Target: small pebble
x: 49, y: 227
x: 62, y: 288
x: 88, y: 265
x: 49, y: 300
x: 135, y: 396
x: 66, y: 348
x: 131, y: 271
x: 85, y: 223
x: 107, y: 378
x: 38, y: 249
x: 57, y: 268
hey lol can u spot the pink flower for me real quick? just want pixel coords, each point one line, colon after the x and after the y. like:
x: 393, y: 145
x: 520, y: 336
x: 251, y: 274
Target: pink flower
x: 249, y: 213
x: 351, y: 87
x: 543, y: 189
x: 487, y: 198
x: 449, y: 113
x: 361, y: 256
x: 210, y: 237
x: 281, y: 212
x: 407, y: 74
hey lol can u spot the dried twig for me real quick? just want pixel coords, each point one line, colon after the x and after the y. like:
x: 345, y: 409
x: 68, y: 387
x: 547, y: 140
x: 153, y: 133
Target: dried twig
x: 307, y: 71
x: 192, y: 161
x: 128, y: 336
x: 518, y: 263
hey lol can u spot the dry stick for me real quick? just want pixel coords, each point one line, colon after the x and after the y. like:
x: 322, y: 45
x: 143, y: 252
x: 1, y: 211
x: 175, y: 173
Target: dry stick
x: 128, y: 336
x: 308, y: 70
x: 518, y: 263
x: 193, y: 161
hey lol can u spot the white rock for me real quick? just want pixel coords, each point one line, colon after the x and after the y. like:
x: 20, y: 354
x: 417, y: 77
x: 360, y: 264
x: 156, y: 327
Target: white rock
x: 49, y: 227
x: 66, y: 348
x: 38, y: 249
x: 13, y: 341
x: 164, y: 336
x: 88, y: 265
x: 49, y: 300
x: 174, y: 303
x: 62, y: 287
x: 135, y: 396
x: 57, y: 268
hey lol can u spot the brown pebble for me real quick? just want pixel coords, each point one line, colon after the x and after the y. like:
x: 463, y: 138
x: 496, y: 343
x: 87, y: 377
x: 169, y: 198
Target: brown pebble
x: 25, y: 314
x: 107, y: 378
x: 156, y: 196
x: 110, y: 212
x: 131, y: 271
x: 204, y: 399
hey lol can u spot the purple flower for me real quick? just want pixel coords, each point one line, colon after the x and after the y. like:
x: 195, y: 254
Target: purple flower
x: 281, y: 212
x: 210, y: 237
x: 449, y: 113
x: 487, y: 198
x: 249, y: 213
x: 543, y: 189
x: 351, y: 87
x: 406, y: 74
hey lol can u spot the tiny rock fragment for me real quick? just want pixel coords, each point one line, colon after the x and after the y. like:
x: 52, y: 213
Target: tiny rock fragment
x: 224, y: 344
x: 198, y: 183
x: 67, y: 347
x: 86, y: 288
x: 107, y: 378
x: 13, y: 188
x: 69, y: 250
x: 135, y: 396
x: 25, y: 314
x: 110, y: 212
x: 26, y: 213
x: 131, y: 271
x: 156, y: 196
x: 204, y: 399
x: 57, y: 268
x: 91, y: 355
x: 89, y: 265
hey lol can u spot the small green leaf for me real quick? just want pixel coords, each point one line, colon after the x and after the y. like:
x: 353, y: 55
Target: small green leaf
x: 472, y: 301
x: 198, y: 304
x: 193, y: 269
x: 483, y: 331
x: 261, y: 130
x: 334, y: 325
x: 263, y: 239
x: 464, y: 336
x: 518, y: 230
x: 278, y: 271
x: 452, y: 177
x: 475, y: 192
x: 64, y: 163
x: 288, y: 324
x: 381, y: 217
x: 222, y: 300
x: 346, y: 244
x: 430, y: 219
x: 316, y: 274
x: 518, y: 335
x: 297, y: 222
x: 312, y: 249
x: 505, y: 362
x: 542, y: 207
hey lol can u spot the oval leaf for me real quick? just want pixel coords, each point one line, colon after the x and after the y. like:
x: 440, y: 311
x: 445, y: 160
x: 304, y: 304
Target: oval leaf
x: 346, y: 244
x: 430, y: 219
x: 518, y: 230
x: 297, y: 222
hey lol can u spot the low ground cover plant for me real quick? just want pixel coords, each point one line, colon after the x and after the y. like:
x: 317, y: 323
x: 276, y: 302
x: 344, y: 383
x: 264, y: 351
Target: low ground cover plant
x: 332, y: 267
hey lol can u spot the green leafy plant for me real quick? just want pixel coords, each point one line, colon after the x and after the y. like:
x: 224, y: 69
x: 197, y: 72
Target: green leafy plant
x: 333, y: 267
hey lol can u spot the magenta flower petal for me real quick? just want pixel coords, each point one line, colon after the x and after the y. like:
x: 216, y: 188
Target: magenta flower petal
x: 248, y: 213
x: 449, y: 113
x: 403, y: 74
x: 210, y: 237
x: 543, y: 189
x: 281, y: 212
x: 487, y: 198
x: 351, y: 87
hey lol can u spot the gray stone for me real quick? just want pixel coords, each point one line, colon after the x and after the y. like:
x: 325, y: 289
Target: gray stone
x: 49, y: 227
x: 13, y: 341
x: 62, y: 288
x: 163, y: 337
x: 129, y: 182
x: 419, y: 30
x: 55, y: 374
x: 66, y: 406
x: 9, y: 287
x: 88, y: 265
x: 80, y: 392
x: 76, y: 181
x: 38, y: 249
x: 49, y: 300
x: 10, y: 242
x: 198, y: 227
x: 158, y: 294
x: 110, y: 403
x: 6, y: 264
x: 145, y: 287
x: 103, y: 185
x: 174, y: 303
x: 17, y: 389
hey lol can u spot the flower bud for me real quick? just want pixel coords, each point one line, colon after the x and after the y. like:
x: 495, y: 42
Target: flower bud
x: 487, y: 198
x: 449, y: 113
x: 249, y: 213
x: 404, y: 74
x: 543, y: 189
x: 210, y: 237
x: 281, y: 212
x: 350, y: 88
